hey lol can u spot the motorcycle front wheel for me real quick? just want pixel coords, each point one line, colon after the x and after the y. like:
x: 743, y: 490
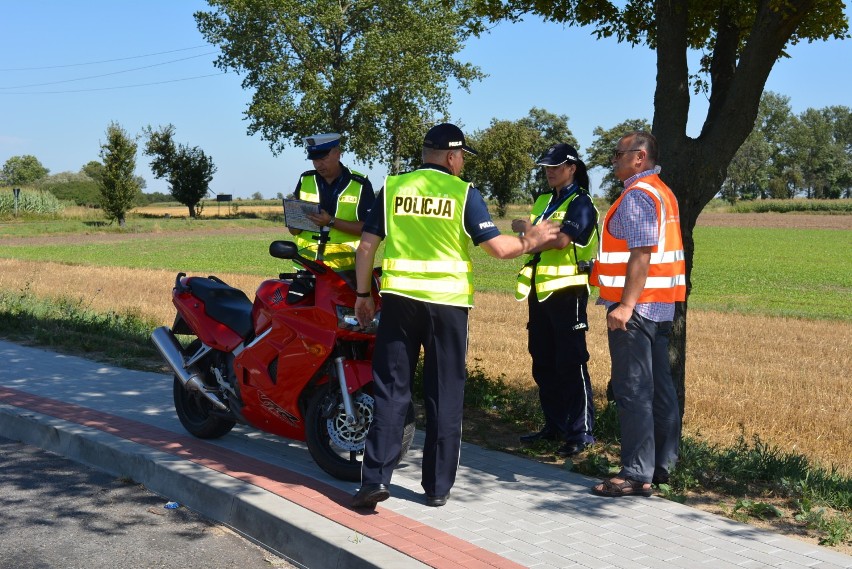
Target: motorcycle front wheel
x: 336, y: 446
x: 196, y: 413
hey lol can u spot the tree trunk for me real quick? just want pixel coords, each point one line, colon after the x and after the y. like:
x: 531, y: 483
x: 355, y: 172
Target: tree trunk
x: 695, y: 168
x: 192, y: 214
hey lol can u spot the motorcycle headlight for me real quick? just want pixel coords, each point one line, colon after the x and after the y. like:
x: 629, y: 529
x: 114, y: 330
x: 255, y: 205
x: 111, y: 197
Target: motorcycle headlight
x: 346, y: 320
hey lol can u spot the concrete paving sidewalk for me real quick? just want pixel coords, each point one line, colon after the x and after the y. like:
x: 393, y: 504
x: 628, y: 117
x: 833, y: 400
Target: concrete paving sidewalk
x: 504, y: 512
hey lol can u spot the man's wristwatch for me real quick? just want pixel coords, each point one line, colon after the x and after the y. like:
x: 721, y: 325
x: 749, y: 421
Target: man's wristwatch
x: 331, y: 222
x: 363, y: 294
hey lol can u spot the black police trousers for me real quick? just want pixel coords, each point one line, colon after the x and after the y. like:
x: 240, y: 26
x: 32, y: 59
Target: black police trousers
x: 557, y: 343
x: 406, y: 325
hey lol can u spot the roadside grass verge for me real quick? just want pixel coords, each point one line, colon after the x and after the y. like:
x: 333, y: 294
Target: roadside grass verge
x: 69, y: 325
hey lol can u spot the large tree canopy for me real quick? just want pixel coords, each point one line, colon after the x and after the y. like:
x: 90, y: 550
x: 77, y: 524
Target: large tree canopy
x: 377, y: 72
x: 740, y: 42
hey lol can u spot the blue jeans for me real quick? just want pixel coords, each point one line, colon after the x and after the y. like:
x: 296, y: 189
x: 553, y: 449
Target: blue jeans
x: 646, y: 399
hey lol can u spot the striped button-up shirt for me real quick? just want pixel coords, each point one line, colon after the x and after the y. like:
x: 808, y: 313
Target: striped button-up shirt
x: 635, y: 221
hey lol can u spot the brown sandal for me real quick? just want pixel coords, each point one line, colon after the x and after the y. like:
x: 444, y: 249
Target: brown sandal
x: 627, y: 487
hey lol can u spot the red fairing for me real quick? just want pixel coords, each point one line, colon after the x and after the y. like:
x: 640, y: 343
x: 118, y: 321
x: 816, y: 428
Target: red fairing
x: 358, y: 374
x: 213, y: 333
x: 271, y: 297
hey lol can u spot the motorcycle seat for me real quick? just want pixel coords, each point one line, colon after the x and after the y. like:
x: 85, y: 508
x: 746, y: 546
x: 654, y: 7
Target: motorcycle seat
x: 224, y: 303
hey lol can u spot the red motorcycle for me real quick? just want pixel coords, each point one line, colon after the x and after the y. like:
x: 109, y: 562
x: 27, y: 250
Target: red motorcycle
x: 295, y: 363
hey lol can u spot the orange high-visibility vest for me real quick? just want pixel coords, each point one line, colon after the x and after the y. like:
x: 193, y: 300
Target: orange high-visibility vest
x: 667, y: 273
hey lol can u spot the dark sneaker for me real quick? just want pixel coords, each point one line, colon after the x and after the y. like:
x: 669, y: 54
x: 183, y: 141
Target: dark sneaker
x: 546, y: 434
x: 571, y: 449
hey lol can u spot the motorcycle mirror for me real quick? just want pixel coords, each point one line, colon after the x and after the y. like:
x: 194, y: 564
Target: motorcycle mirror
x: 283, y: 249
x: 289, y: 250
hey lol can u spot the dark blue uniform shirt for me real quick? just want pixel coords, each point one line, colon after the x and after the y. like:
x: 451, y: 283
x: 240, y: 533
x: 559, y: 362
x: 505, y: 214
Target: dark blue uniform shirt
x: 580, y: 218
x: 328, y: 193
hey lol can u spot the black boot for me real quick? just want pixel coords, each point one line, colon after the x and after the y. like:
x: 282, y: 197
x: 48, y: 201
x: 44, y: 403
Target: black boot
x: 548, y: 433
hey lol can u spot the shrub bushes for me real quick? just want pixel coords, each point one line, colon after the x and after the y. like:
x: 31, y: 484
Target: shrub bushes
x: 787, y: 206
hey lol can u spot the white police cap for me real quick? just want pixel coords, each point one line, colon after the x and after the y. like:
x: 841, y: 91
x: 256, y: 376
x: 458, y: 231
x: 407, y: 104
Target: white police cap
x: 318, y: 145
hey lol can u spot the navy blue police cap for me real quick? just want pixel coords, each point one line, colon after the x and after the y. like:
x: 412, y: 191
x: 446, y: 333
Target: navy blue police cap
x: 559, y: 154
x: 446, y: 136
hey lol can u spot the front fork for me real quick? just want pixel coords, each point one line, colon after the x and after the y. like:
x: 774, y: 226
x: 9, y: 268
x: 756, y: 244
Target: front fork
x: 348, y: 407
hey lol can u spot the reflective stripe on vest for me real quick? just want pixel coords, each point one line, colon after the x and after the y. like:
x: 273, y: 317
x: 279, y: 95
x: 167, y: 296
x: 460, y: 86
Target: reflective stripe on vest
x: 556, y: 268
x: 426, y: 247
x: 409, y: 266
x: 666, y: 281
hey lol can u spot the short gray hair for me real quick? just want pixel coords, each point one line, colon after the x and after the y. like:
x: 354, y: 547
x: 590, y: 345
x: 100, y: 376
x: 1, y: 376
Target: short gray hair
x: 647, y: 142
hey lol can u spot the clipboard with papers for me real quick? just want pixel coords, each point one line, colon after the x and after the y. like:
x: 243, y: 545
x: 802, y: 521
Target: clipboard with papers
x: 296, y: 214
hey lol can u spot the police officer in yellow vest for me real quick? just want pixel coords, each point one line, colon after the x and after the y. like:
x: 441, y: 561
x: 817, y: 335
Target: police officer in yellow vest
x: 428, y: 219
x: 344, y: 197
x: 555, y: 280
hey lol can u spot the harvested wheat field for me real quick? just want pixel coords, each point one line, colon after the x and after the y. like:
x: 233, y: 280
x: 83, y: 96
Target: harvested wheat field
x: 785, y: 380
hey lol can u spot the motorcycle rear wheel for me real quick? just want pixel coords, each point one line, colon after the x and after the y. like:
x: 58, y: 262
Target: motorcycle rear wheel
x: 196, y: 413
x: 335, y: 447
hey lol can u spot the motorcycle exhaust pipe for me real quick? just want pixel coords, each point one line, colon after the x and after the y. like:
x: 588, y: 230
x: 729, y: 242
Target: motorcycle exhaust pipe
x: 190, y: 377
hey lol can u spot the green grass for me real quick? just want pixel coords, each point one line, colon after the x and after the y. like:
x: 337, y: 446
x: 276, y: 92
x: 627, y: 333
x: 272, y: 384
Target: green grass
x: 88, y: 224
x: 799, y: 273
x: 69, y: 325
x: 803, y: 273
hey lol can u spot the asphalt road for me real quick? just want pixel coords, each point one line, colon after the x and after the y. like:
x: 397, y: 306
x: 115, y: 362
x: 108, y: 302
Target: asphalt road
x: 58, y: 514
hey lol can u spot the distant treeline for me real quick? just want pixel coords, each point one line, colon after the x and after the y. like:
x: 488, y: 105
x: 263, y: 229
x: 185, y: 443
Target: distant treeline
x: 79, y: 189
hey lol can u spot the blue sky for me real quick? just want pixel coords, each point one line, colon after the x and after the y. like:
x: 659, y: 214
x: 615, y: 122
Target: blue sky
x: 57, y: 109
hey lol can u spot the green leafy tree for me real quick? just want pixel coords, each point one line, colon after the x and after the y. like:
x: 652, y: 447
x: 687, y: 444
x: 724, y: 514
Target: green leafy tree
x: 760, y: 169
x: 119, y: 189
x: 505, y: 158
x: 750, y: 170
x: 93, y: 169
x: 72, y: 186
x: 552, y: 129
x: 820, y: 152
x: 772, y: 132
x: 841, y: 118
x: 188, y: 170
x: 740, y: 42
x: 377, y: 72
x: 600, y: 153
x: 22, y: 171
